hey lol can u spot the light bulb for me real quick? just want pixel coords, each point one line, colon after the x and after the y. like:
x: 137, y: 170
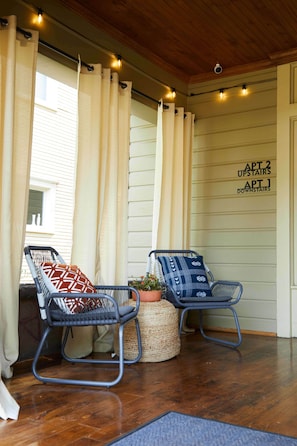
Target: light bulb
x: 119, y: 61
x: 221, y: 93
x: 244, y: 89
x: 39, y: 16
x: 173, y: 93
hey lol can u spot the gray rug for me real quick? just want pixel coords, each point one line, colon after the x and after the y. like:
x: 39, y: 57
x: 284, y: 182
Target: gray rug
x: 177, y: 429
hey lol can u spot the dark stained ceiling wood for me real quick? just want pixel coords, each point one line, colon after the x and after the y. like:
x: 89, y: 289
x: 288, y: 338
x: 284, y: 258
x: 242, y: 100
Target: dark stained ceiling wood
x: 188, y: 37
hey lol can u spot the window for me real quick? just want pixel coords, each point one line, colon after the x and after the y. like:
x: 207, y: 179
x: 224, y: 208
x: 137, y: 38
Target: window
x: 35, y: 211
x: 46, y: 91
x: 41, y: 206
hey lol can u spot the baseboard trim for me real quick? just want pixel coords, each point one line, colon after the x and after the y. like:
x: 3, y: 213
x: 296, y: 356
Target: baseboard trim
x: 247, y: 332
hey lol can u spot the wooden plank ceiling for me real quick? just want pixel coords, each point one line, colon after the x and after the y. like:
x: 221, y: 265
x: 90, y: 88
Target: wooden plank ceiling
x: 188, y: 37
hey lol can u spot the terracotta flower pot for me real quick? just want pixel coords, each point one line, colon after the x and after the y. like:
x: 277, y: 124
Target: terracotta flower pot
x: 148, y: 296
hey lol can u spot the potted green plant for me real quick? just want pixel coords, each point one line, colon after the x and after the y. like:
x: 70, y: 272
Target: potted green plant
x: 149, y: 288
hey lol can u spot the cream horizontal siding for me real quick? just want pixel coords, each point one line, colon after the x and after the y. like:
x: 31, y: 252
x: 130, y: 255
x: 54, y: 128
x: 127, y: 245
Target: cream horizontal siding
x: 141, y: 186
x: 236, y: 232
x: 251, y: 238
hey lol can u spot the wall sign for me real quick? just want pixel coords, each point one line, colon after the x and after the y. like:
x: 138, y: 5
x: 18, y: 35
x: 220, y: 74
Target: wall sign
x: 252, y: 171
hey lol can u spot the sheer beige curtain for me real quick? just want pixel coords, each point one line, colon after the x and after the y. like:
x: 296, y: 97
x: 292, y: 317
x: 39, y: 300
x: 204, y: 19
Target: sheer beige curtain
x: 101, y: 198
x: 17, y: 80
x: 172, y: 193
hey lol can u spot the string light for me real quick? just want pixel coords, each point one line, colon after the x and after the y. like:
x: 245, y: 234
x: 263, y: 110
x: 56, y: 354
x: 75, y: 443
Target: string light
x: 39, y: 16
x: 117, y: 58
x: 233, y: 86
x: 244, y: 90
x: 119, y: 61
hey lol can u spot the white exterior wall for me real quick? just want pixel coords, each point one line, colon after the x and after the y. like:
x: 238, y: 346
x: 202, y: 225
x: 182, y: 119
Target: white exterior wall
x: 53, y: 159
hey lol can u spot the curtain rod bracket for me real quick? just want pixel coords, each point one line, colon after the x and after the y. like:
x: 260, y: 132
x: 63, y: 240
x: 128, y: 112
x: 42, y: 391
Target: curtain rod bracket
x: 89, y: 67
x: 26, y: 34
x: 3, y: 22
x: 165, y: 106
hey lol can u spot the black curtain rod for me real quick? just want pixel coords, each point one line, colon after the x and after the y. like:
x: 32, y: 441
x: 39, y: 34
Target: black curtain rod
x: 64, y: 54
x: 73, y: 59
x: 28, y: 35
x: 91, y: 68
x: 143, y: 95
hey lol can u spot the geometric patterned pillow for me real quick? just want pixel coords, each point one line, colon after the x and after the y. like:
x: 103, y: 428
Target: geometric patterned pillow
x: 186, y: 275
x: 69, y: 279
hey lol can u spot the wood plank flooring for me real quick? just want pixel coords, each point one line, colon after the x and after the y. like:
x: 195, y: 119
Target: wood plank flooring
x: 254, y: 386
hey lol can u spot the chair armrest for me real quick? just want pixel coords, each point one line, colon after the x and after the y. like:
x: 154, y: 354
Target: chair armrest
x: 109, y: 313
x: 104, y: 294
x: 114, y: 288
x: 108, y: 303
x: 233, y: 289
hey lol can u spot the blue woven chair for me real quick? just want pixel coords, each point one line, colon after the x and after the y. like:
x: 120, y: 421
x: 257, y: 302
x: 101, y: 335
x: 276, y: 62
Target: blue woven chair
x: 190, y: 285
x: 76, y: 309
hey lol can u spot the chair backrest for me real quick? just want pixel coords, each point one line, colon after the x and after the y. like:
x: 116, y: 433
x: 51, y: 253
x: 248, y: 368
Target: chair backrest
x: 154, y: 266
x: 35, y: 256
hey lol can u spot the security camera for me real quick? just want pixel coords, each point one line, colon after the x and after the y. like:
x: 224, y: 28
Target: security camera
x: 218, y: 68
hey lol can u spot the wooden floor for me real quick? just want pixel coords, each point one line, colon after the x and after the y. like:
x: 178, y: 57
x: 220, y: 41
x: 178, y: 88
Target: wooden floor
x: 253, y: 386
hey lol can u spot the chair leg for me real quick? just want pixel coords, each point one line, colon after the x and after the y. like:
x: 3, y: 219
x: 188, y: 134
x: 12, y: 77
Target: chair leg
x: 185, y: 328
x: 38, y: 352
x: 210, y: 338
x: 120, y: 362
x: 183, y: 313
x: 219, y: 340
x: 106, y: 361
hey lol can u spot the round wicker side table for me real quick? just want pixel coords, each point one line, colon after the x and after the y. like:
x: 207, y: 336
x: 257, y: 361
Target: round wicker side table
x: 159, y: 332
